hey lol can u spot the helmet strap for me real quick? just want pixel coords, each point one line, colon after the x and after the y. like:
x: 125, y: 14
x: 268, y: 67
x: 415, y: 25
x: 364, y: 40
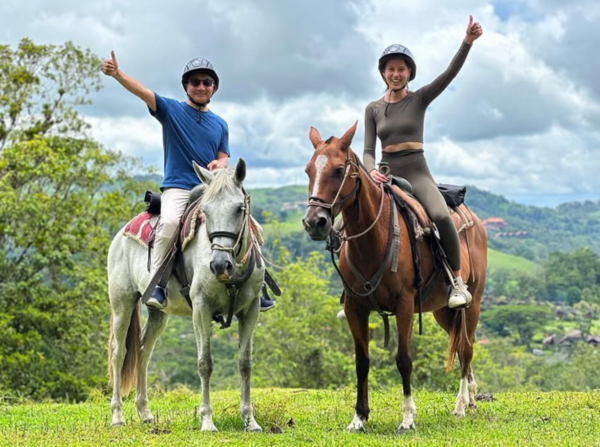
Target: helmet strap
x: 199, y: 104
x: 396, y: 90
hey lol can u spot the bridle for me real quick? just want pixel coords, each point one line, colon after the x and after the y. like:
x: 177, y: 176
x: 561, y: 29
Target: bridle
x: 317, y: 201
x: 235, y: 249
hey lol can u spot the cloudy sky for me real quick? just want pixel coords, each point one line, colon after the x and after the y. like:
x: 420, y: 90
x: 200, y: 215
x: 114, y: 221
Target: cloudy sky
x: 521, y: 118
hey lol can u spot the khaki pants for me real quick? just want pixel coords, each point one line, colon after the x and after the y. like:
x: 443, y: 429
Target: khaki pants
x: 172, y: 206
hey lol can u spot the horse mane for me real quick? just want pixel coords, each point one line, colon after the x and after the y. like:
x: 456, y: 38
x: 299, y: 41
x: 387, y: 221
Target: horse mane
x: 223, y: 182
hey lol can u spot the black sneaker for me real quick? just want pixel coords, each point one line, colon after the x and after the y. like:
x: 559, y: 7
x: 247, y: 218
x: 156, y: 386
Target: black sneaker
x: 158, y: 300
x: 266, y: 304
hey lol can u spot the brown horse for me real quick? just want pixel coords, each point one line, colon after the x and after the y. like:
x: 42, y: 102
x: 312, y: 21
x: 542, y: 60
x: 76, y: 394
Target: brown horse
x: 338, y: 184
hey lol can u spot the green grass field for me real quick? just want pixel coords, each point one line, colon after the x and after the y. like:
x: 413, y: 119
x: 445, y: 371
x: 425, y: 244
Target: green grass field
x: 499, y: 260
x: 310, y: 417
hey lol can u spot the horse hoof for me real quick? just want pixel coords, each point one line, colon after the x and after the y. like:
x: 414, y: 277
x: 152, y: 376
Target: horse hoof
x: 405, y: 428
x: 355, y: 427
x: 146, y: 417
x: 211, y: 428
x: 459, y: 413
x: 117, y: 423
x: 254, y: 428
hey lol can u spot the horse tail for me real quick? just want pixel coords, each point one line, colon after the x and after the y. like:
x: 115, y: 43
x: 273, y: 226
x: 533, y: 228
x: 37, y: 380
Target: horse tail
x: 458, y: 336
x: 133, y: 347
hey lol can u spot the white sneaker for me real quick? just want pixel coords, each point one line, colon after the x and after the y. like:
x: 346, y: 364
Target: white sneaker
x: 459, y: 296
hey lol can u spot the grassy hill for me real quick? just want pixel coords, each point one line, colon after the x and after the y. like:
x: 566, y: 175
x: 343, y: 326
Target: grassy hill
x: 310, y: 417
x: 498, y: 260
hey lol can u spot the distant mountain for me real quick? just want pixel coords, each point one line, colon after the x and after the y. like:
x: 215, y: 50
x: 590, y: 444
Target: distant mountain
x: 530, y: 232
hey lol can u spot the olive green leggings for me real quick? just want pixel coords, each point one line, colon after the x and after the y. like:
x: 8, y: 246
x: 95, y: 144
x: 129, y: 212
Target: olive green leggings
x: 413, y: 167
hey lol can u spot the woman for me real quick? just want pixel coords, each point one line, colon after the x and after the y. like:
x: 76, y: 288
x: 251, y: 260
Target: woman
x: 397, y: 119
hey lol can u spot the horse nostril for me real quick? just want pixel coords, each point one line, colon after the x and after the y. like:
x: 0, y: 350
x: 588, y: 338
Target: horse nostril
x: 321, y: 222
x: 212, y: 268
x: 228, y: 266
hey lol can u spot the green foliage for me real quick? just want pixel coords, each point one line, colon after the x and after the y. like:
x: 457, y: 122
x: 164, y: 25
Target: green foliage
x: 572, y: 277
x: 301, y: 343
x: 56, y: 222
x: 520, y: 321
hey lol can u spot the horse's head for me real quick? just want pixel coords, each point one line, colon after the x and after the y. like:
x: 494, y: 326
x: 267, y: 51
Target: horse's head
x: 332, y: 176
x: 225, y: 207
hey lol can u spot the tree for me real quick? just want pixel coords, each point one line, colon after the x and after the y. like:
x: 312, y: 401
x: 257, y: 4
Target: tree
x: 520, y: 320
x: 573, y: 276
x: 62, y: 197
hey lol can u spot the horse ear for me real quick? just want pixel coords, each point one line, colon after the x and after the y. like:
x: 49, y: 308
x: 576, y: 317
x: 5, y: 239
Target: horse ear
x: 240, y: 171
x: 204, y: 175
x: 346, y: 140
x: 315, y: 137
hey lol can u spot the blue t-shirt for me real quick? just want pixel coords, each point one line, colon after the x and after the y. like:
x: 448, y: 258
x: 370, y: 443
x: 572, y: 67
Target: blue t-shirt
x: 186, y: 139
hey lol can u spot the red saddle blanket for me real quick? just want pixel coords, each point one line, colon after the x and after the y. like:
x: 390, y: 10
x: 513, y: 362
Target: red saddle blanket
x: 141, y: 228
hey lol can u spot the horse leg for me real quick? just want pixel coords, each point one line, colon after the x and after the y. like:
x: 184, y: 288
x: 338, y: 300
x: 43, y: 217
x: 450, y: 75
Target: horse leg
x: 156, y: 323
x: 124, y: 328
x: 472, y: 389
x: 462, y: 345
x: 202, y: 328
x: 404, y: 365
x: 247, y: 324
x: 358, y: 321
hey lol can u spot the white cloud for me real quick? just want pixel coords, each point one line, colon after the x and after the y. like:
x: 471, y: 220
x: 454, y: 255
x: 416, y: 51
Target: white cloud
x: 520, y: 118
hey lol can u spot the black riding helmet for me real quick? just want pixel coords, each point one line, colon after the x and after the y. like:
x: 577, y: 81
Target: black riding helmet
x: 394, y: 51
x: 199, y: 65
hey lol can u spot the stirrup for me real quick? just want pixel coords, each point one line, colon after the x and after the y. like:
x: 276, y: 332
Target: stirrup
x: 158, y: 299
x: 459, y: 296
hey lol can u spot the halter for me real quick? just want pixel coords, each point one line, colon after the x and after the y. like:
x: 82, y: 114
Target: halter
x: 237, y: 246
x: 317, y: 201
x: 236, y: 282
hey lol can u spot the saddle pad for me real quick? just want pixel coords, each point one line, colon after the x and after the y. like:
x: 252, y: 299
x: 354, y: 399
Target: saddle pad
x: 192, y: 219
x: 415, y: 206
x: 141, y: 227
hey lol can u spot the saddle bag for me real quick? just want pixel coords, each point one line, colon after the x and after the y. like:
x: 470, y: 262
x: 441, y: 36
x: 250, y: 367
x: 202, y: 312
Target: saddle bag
x: 152, y: 200
x: 453, y: 195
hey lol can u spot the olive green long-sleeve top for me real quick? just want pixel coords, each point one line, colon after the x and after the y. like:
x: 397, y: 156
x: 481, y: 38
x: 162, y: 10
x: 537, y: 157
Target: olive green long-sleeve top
x: 403, y: 122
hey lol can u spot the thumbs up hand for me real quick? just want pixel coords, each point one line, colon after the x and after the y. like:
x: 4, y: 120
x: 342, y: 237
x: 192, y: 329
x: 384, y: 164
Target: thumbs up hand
x: 474, y: 31
x: 110, y: 67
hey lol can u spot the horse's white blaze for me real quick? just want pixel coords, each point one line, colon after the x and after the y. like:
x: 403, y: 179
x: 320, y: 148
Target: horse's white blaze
x: 462, y: 400
x: 320, y: 163
x: 409, y: 410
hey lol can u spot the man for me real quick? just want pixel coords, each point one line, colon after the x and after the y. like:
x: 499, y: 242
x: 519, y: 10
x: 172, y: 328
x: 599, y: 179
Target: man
x: 191, y: 132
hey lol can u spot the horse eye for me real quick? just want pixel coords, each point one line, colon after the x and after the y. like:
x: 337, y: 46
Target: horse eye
x: 241, y: 208
x: 338, y: 172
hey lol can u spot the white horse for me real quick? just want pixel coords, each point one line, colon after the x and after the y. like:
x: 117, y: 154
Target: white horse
x: 209, y: 265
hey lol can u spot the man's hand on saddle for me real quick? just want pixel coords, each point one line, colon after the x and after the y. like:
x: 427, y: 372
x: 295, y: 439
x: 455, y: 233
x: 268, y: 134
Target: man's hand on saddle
x: 474, y: 31
x: 110, y: 67
x: 378, y: 177
x: 220, y: 163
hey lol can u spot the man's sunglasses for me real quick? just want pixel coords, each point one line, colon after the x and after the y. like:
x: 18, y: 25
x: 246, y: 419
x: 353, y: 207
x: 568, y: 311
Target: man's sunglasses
x: 205, y: 82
